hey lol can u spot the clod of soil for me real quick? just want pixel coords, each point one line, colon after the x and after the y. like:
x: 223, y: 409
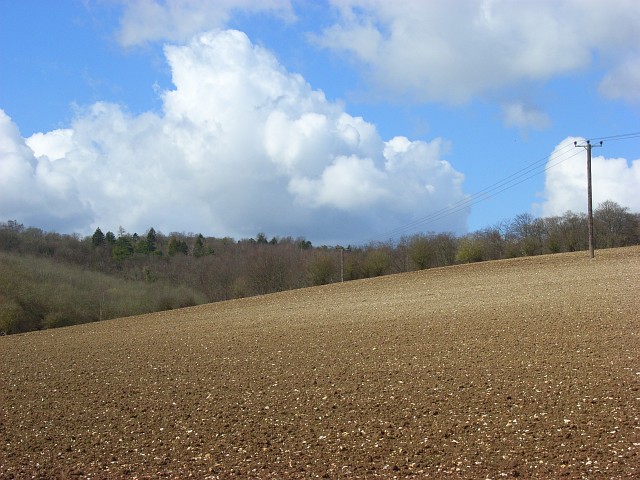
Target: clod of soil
x: 519, y: 368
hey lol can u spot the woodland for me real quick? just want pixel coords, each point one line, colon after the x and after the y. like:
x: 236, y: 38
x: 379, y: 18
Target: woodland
x: 50, y: 280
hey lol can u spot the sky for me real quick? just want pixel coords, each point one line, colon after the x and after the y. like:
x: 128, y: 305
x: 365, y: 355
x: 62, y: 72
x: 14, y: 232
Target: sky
x: 341, y: 121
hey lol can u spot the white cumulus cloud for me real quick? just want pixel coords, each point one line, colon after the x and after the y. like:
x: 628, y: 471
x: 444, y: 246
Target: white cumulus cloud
x: 241, y: 146
x: 440, y: 50
x: 623, y: 82
x: 38, y: 191
x: 178, y: 20
x: 615, y: 179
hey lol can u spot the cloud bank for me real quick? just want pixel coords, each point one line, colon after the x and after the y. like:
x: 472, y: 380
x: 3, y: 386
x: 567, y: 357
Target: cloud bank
x: 566, y: 180
x: 453, y: 52
x: 438, y: 50
x: 240, y: 146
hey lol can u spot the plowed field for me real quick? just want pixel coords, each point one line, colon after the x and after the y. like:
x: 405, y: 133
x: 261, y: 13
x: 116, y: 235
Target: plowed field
x: 519, y: 368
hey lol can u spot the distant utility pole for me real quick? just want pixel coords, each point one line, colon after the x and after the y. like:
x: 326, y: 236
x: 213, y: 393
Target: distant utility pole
x: 341, y: 248
x: 588, y: 147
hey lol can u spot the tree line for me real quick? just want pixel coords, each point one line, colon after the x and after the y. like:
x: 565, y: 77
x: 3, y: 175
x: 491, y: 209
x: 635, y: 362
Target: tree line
x: 49, y: 279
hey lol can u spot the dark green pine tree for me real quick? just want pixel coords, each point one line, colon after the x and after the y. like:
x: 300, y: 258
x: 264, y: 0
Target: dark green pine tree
x: 110, y: 238
x: 123, y: 248
x: 177, y: 246
x: 198, y: 246
x: 152, y: 240
x: 98, y: 238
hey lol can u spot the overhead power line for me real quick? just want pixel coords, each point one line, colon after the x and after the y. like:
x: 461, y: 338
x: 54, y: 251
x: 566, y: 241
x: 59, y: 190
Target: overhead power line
x: 612, y: 138
x: 516, y: 178
x: 532, y: 170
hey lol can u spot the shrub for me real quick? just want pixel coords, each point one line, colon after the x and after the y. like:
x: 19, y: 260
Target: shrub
x: 377, y: 263
x: 11, y: 317
x: 322, y: 270
x: 469, y: 250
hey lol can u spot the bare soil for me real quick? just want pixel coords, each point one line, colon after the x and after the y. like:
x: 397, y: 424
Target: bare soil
x: 519, y: 368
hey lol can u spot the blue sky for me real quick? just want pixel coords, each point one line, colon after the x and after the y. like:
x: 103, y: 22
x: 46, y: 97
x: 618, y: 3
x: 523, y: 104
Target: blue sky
x: 343, y: 122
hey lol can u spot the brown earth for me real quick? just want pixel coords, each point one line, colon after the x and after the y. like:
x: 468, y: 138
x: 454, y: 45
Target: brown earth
x: 525, y: 367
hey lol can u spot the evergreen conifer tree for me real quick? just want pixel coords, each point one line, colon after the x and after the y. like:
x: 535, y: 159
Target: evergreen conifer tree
x: 98, y: 238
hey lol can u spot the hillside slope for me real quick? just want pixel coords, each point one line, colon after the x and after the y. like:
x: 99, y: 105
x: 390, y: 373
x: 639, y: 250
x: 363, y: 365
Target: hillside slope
x: 526, y: 367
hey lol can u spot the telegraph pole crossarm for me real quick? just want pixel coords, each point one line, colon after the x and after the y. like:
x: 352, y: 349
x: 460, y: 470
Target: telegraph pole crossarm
x: 588, y: 147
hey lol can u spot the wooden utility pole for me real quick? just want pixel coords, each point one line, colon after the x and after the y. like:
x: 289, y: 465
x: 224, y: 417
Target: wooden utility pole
x: 588, y: 147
